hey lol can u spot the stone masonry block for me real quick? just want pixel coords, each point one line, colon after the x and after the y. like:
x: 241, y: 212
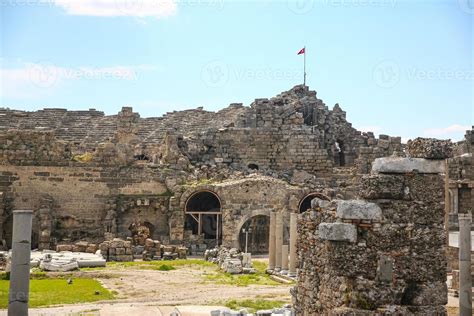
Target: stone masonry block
x: 358, y: 209
x: 430, y: 148
x: 337, y: 232
x: 407, y: 165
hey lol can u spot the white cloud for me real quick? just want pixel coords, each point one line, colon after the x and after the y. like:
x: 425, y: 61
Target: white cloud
x: 111, y: 8
x: 39, y: 79
x: 455, y: 130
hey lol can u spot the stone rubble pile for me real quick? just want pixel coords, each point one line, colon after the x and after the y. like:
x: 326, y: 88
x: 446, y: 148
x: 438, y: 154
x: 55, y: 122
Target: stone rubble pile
x: 50, y: 260
x: 230, y: 260
x: 152, y: 250
x: 283, y: 311
x: 117, y: 250
x: 121, y: 250
x: 430, y: 148
x: 171, y: 252
x: 80, y: 246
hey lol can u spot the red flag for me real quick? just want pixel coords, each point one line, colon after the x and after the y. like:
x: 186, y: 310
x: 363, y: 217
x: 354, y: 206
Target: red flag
x: 301, y: 51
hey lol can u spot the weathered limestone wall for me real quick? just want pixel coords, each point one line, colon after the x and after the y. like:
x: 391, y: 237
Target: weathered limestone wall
x: 267, y: 148
x: 241, y: 200
x: 78, y: 196
x: 382, y: 255
x: 92, y: 176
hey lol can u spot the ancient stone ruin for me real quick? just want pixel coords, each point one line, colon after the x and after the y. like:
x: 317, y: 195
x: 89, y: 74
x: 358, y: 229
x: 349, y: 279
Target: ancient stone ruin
x: 193, y: 180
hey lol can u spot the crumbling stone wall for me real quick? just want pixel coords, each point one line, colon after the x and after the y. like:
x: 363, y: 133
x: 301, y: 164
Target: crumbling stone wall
x: 383, y: 255
x: 105, y: 172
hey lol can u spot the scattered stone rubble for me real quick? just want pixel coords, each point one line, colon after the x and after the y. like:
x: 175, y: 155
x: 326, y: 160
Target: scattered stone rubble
x: 116, y: 250
x: 283, y: 311
x: 49, y: 260
x: 80, y: 246
x: 121, y: 250
x: 230, y: 260
x: 152, y: 250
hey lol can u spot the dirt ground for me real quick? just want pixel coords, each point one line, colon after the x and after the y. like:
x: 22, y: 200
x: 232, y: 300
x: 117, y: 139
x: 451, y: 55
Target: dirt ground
x: 182, y: 287
x: 152, y: 292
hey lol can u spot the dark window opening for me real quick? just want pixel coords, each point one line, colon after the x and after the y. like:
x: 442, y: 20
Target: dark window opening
x: 253, y: 166
x: 305, y: 204
x: 141, y: 157
x: 339, y: 156
x: 257, y: 240
x: 203, y: 215
x: 203, y: 202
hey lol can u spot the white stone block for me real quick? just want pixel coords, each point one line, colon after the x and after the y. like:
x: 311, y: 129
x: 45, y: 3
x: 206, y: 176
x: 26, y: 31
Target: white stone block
x: 358, y: 209
x: 337, y: 232
x: 406, y: 165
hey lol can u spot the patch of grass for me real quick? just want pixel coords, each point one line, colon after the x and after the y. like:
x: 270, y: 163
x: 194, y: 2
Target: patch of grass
x: 156, y: 265
x: 34, y: 275
x: 45, y: 292
x: 165, y: 267
x: 253, y: 305
x: 240, y: 279
x: 259, y: 278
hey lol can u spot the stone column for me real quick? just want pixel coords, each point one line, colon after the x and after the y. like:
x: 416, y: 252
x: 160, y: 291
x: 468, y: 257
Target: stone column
x: 284, y: 259
x: 293, y: 238
x: 465, y: 279
x: 20, y: 264
x: 271, y: 242
x: 455, y: 201
x: 278, y: 240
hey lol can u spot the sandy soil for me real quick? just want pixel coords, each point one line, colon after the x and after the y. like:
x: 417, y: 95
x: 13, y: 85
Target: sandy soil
x: 159, y: 292
x: 183, y: 286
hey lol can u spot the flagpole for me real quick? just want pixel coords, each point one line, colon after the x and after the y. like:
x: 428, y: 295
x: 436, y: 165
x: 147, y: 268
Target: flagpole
x: 304, y: 67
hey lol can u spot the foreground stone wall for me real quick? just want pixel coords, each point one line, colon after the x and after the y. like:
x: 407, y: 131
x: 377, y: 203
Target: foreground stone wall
x: 381, y: 255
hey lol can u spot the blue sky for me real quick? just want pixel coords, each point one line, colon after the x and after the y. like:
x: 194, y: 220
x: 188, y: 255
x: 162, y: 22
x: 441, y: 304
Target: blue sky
x: 397, y: 67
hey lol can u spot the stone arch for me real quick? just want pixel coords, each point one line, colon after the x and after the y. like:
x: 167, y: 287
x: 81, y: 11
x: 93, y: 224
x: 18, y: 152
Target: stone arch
x: 208, y: 200
x: 203, y: 214
x: 243, y: 220
x: 305, y: 202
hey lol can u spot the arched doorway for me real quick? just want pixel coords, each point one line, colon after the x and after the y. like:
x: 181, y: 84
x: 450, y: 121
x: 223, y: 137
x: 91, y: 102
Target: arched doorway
x: 258, y: 232
x: 203, y: 215
x: 305, y: 203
